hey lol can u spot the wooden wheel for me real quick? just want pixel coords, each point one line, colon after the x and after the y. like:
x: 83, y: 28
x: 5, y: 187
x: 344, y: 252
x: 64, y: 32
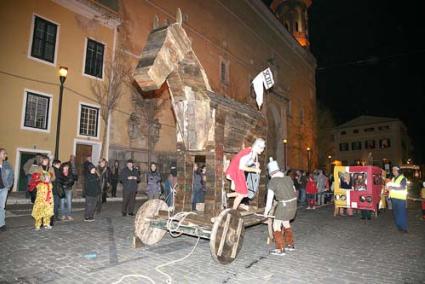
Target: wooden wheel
x: 142, y: 229
x: 227, y: 236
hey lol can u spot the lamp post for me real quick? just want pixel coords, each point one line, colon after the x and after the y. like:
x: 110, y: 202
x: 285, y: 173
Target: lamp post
x: 285, y: 155
x: 63, y: 71
x: 330, y: 163
x: 309, y: 159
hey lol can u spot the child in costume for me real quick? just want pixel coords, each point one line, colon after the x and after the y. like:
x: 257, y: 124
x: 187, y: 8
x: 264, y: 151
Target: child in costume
x: 41, y: 181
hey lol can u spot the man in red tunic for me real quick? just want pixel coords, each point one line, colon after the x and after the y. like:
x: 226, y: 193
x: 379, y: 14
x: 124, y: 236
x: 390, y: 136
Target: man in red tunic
x: 245, y: 161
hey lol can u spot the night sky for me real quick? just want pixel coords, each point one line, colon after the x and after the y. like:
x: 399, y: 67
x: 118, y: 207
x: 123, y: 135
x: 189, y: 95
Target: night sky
x: 371, y: 61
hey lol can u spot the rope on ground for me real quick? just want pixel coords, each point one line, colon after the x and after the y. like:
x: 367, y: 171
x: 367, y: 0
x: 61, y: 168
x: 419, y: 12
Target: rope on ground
x: 169, y: 279
x: 172, y: 227
x: 134, y: 275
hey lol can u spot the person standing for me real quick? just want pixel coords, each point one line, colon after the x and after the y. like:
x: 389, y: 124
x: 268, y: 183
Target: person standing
x: 105, y: 180
x: 6, y: 183
x: 311, y: 192
x: 58, y: 192
x: 87, y: 163
x: 66, y: 181
x: 115, y: 177
x: 398, y: 195
x: 303, y: 183
x: 198, y: 185
x: 129, y: 178
x: 153, y: 179
x: 41, y: 180
x: 92, y: 186
x: 73, y: 167
x: 322, y: 187
x: 246, y: 161
x: 282, y: 188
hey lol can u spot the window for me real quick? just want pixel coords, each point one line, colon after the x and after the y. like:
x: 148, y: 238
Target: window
x: 89, y: 117
x: 385, y: 127
x: 94, y: 58
x: 357, y: 145
x: 384, y: 143
x: 343, y: 147
x: 44, y: 40
x: 224, y: 71
x: 370, y: 129
x: 369, y: 144
x: 36, y: 111
x: 355, y: 131
x: 343, y: 132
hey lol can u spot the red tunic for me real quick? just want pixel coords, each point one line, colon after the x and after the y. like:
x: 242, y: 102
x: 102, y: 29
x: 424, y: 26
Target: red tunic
x: 311, y: 187
x: 237, y: 175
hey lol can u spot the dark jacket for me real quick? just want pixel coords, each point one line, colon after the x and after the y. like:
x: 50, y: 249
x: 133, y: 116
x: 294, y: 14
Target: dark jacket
x: 115, y: 175
x: 66, y: 182
x: 129, y: 185
x: 92, y: 185
x: 105, y: 177
x: 56, y: 190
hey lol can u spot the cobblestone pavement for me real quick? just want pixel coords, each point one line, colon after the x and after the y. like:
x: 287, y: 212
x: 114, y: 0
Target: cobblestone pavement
x: 329, y: 250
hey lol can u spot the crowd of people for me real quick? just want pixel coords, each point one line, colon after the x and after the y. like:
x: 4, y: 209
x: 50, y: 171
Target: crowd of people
x: 51, y: 185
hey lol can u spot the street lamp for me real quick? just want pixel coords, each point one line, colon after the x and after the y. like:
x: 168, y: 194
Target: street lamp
x: 309, y: 159
x: 285, y: 154
x: 63, y: 71
x: 330, y: 163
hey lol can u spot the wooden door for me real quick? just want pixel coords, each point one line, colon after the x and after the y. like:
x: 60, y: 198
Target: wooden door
x: 81, y: 154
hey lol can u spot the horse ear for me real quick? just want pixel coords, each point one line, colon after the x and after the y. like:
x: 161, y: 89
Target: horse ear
x: 155, y: 23
x: 179, y: 18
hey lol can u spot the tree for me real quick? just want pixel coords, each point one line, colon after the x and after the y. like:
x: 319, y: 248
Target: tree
x: 118, y: 75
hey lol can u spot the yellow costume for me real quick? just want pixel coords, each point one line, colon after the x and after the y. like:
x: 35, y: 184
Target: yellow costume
x: 42, y: 210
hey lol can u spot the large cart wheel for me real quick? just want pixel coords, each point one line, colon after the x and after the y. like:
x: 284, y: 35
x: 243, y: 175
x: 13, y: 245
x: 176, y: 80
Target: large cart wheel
x: 227, y: 236
x: 149, y: 235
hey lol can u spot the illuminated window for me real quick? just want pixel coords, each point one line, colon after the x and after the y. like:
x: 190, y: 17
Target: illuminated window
x: 89, y: 120
x: 384, y: 143
x: 36, y: 111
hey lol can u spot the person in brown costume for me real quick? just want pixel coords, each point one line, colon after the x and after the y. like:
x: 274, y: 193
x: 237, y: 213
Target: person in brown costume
x: 282, y: 188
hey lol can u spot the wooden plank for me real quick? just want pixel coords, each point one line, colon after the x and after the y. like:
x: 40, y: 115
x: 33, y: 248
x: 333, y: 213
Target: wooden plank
x: 238, y: 235
x: 224, y: 235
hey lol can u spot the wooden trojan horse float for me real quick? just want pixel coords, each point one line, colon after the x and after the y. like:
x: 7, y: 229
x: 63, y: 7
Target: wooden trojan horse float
x: 208, y: 125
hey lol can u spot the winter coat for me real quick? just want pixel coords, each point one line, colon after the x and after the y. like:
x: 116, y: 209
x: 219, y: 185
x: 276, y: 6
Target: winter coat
x: 7, y: 175
x: 154, y: 182
x: 92, y: 185
x: 66, y: 182
x: 129, y: 185
x: 105, y: 177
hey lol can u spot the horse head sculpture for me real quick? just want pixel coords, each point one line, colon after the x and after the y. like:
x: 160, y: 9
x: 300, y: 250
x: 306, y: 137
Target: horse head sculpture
x: 168, y: 57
